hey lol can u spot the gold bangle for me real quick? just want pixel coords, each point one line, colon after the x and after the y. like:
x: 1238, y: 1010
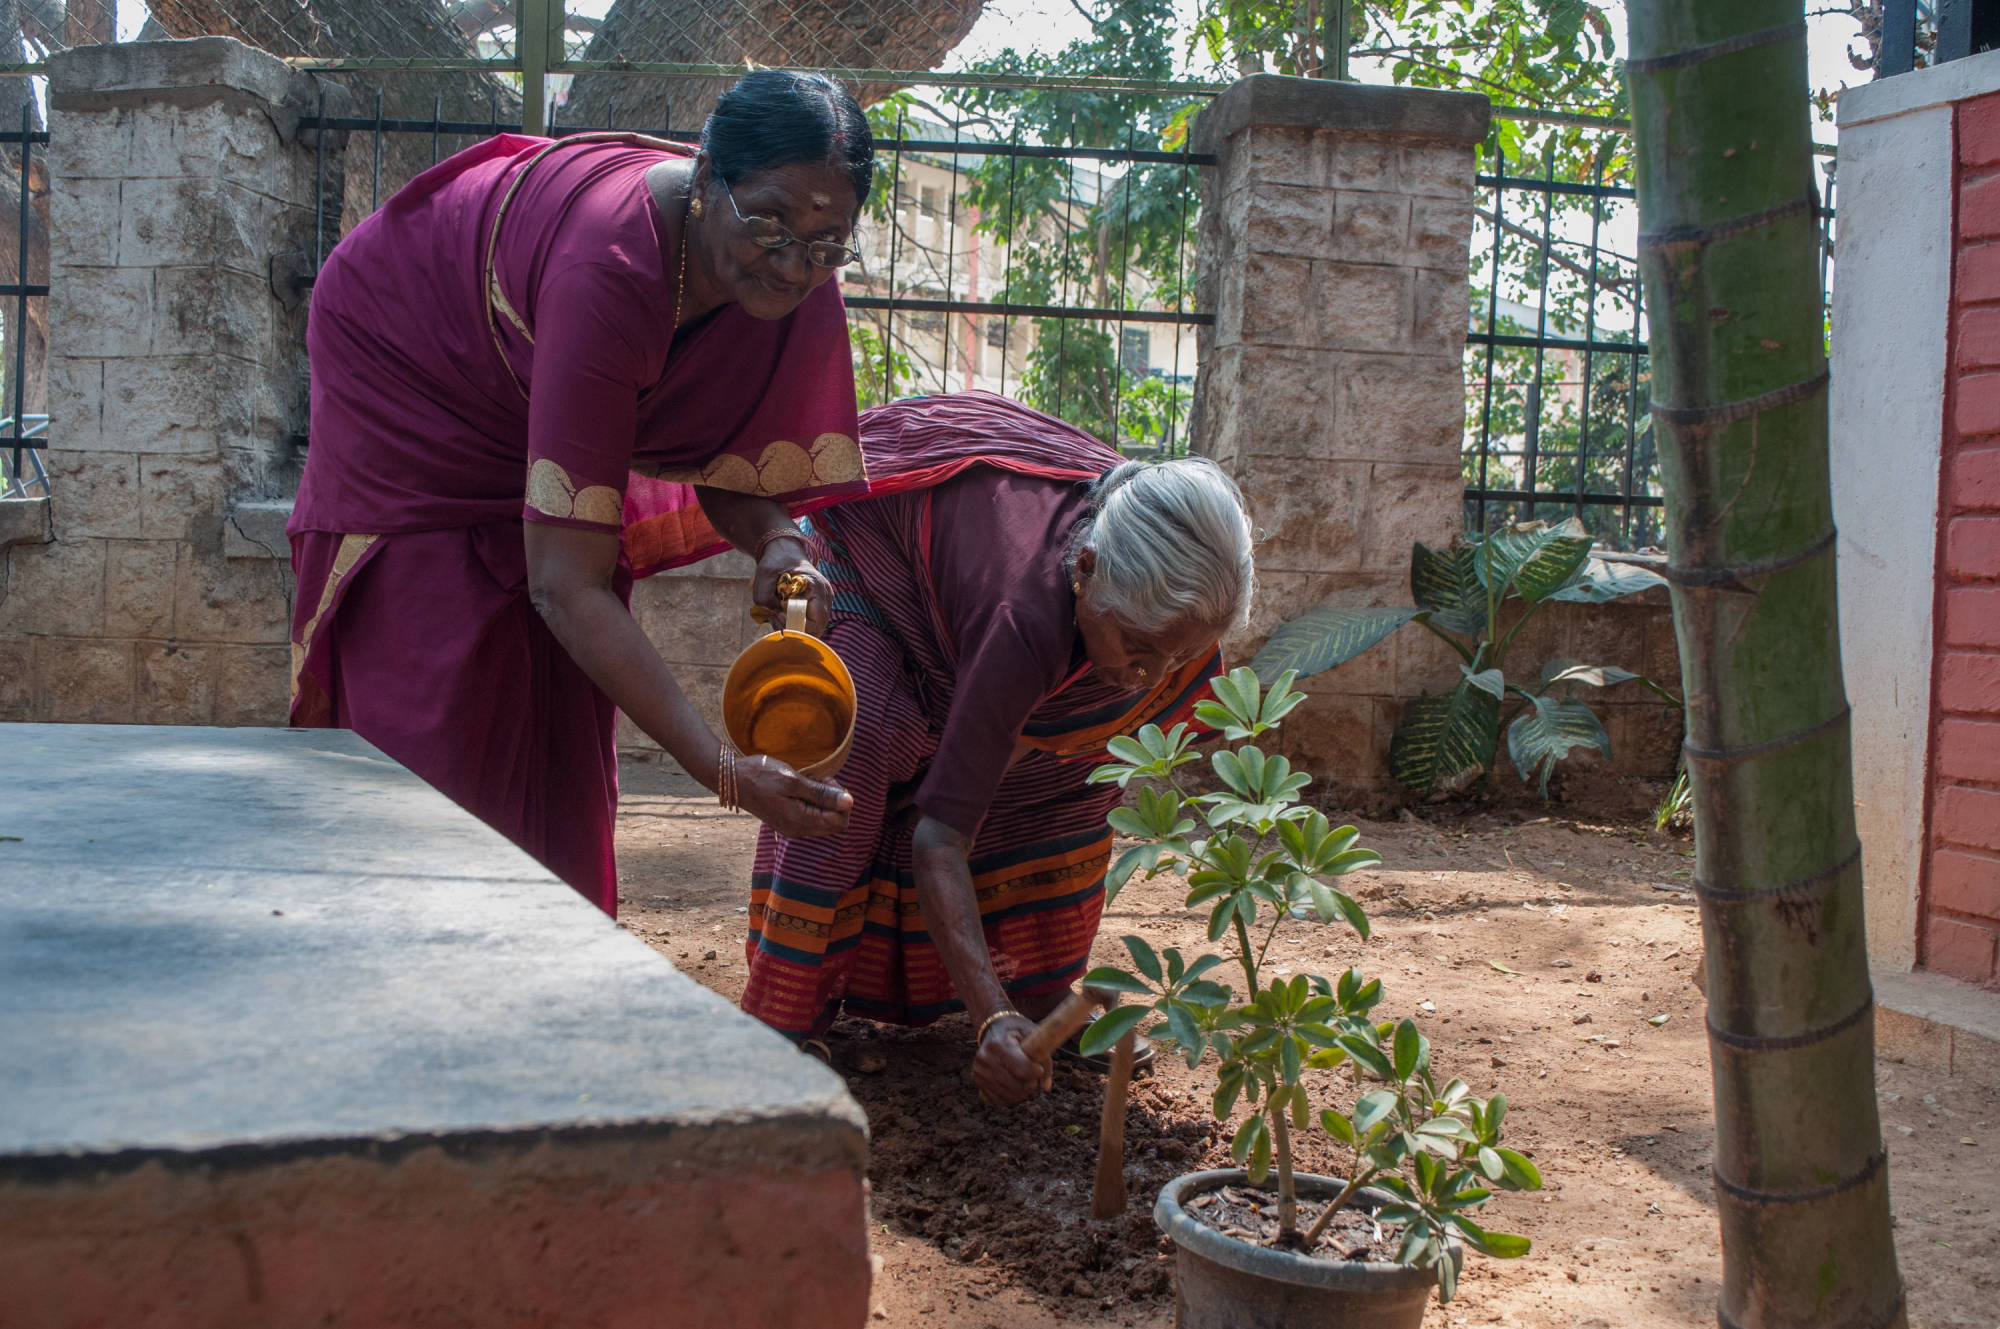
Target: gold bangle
x: 772, y: 536
x: 979, y: 1039
x: 725, y: 777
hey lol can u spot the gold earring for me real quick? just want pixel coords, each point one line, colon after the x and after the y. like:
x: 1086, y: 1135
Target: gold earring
x: 1076, y: 588
x: 695, y: 208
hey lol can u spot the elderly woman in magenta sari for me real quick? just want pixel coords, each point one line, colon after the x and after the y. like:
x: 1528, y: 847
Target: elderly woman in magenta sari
x: 544, y: 369
x: 1020, y: 597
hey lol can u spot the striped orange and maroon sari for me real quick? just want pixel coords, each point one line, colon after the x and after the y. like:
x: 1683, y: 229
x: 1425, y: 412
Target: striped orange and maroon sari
x: 835, y: 923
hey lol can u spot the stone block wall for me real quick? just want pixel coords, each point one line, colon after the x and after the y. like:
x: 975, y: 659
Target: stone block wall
x: 1333, y: 253
x: 176, y: 388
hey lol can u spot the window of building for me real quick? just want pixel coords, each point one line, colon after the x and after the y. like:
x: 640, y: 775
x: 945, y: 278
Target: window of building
x: 1135, y: 350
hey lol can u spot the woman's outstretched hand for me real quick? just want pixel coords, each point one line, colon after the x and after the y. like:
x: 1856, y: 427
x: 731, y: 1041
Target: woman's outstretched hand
x: 789, y: 556
x: 1003, y: 1073
x: 789, y: 803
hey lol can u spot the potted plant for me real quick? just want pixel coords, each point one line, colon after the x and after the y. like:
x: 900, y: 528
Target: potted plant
x: 1425, y: 1155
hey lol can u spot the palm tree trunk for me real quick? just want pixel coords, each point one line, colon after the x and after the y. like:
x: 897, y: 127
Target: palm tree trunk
x: 1727, y: 214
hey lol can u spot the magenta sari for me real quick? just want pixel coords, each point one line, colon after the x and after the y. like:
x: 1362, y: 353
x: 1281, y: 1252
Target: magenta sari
x: 497, y: 345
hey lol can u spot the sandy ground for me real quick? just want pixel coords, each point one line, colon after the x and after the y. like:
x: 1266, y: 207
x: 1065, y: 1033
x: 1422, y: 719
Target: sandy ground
x: 1533, y: 942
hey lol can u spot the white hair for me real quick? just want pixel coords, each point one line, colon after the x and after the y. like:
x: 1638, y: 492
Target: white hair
x: 1172, y: 545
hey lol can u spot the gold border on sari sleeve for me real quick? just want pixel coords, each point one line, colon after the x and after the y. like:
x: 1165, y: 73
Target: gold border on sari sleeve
x: 352, y: 547
x: 553, y: 493
x: 783, y: 467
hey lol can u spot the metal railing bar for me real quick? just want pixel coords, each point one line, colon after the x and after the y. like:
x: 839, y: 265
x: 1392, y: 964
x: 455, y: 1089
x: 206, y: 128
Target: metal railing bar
x: 1589, y: 334
x: 1528, y: 341
x: 1530, y: 185
x: 27, y: 292
x: 1069, y: 234
x: 1542, y: 496
x: 967, y: 148
x: 20, y: 329
x: 1535, y: 403
x: 922, y: 77
x: 1180, y: 294
x: 1492, y: 316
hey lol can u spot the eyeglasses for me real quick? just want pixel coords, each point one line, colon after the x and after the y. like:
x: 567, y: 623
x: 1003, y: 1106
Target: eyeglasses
x: 768, y: 234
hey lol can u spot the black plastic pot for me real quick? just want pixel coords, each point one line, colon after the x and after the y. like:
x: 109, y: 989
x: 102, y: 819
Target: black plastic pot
x: 1223, y: 1283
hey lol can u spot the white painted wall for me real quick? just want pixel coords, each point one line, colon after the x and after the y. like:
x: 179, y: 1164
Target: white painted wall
x: 1891, y: 305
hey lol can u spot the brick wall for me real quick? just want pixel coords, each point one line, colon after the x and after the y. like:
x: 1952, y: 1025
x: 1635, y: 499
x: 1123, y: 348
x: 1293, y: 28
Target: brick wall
x: 1961, y: 895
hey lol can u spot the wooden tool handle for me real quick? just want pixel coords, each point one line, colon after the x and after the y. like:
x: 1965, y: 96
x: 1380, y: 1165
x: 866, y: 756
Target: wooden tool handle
x: 1107, y: 1193
x: 1058, y: 1025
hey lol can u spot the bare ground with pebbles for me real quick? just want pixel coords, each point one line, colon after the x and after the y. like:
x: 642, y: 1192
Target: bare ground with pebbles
x: 1535, y: 946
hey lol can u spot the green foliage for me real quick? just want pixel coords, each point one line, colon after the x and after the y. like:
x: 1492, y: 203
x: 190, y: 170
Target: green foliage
x: 1255, y: 858
x: 1462, y: 595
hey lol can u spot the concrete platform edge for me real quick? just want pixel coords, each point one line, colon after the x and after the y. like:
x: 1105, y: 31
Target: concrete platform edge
x: 808, y: 1141
x: 1939, y: 1024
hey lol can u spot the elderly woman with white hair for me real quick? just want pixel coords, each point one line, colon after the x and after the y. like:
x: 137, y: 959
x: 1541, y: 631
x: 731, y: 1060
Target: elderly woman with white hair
x: 1019, y: 595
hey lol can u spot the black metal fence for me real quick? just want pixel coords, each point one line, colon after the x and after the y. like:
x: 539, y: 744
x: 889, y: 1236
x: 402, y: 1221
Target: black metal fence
x: 1059, y: 273
x: 1558, y: 379
x: 23, y: 308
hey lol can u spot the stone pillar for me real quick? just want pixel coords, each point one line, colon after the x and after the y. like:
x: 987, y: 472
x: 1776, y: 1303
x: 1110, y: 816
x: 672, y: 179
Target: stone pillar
x: 1333, y: 253
x: 176, y: 390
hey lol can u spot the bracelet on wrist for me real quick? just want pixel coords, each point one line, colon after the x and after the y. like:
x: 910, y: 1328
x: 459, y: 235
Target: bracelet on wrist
x: 726, y: 788
x: 771, y: 537
x: 993, y: 1019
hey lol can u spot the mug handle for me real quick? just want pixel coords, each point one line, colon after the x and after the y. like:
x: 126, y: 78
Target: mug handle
x: 795, y: 617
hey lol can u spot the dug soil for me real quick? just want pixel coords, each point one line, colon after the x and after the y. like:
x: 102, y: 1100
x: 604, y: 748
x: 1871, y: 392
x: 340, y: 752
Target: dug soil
x: 1539, y: 946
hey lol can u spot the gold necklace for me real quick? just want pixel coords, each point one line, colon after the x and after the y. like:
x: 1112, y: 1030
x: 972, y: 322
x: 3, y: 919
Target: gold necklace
x: 680, y: 281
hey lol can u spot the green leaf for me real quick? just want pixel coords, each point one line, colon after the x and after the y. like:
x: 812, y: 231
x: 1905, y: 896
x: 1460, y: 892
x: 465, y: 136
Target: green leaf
x: 1100, y: 1034
x: 1181, y: 1026
x: 1490, y: 1163
x: 1503, y: 1245
x: 1444, y: 582
x: 1143, y: 956
x: 1138, y: 856
x: 1373, y: 1108
x: 1289, y: 1060
x: 1339, y: 1127
x: 1441, y: 736
x: 1246, y: 1135
x: 1127, y: 749
x: 1544, y: 733
x: 1486, y: 680
x: 1368, y: 1056
x: 1115, y: 980
x: 1599, y: 582
x: 1447, y: 1267
x: 1259, y: 1166
x: 1521, y: 1173
x: 1407, y: 1039
x: 1281, y: 699
x: 1536, y: 563
x: 1599, y: 676
x: 1321, y: 638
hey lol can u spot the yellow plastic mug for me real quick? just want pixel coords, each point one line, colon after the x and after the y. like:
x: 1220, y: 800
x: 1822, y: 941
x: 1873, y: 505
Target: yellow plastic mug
x: 789, y: 696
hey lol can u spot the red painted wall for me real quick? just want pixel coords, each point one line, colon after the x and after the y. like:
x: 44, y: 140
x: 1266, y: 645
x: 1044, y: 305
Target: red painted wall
x: 1959, y: 917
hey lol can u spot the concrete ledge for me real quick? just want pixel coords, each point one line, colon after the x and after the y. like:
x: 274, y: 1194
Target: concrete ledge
x: 1274, y: 101
x: 1938, y: 1023
x: 290, y: 1039
x: 1940, y: 85
x: 257, y: 530
x: 89, y: 78
x: 25, y: 521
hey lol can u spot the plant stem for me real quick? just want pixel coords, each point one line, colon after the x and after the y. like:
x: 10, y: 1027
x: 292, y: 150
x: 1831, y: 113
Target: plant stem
x: 1249, y: 962
x: 1447, y: 639
x: 1500, y: 651
x: 1339, y: 1201
x: 1288, y: 1198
